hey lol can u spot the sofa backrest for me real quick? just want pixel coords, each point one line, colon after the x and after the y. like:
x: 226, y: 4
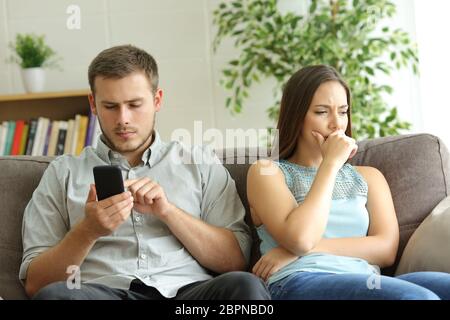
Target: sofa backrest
x: 416, y: 167
x: 19, y: 176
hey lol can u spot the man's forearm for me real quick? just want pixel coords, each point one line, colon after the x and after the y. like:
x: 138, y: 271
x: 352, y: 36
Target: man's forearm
x: 213, y: 247
x: 51, y: 266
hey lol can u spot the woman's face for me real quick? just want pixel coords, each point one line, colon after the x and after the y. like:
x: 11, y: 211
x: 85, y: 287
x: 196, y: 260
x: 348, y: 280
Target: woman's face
x: 327, y: 112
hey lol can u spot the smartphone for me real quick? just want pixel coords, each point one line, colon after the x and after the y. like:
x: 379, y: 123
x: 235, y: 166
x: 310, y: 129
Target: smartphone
x: 108, y: 181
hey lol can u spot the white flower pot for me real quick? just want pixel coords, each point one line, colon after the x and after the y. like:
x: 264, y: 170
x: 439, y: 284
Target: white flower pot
x: 33, y: 79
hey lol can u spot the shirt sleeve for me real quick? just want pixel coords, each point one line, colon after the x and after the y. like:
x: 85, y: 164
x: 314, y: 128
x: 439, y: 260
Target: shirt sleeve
x: 45, y: 221
x: 221, y: 205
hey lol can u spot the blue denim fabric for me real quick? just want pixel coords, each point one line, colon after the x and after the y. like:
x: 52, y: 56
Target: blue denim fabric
x: 331, y: 286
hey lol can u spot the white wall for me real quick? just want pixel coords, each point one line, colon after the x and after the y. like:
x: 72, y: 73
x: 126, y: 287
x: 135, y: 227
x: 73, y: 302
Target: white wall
x: 433, y: 25
x: 406, y: 85
x: 178, y: 33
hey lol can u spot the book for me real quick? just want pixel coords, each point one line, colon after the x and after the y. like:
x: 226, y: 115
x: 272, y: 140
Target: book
x: 90, y: 130
x: 3, y: 134
x: 41, y: 134
x: 53, y: 139
x: 37, y: 137
x: 20, y: 124
x: 31, y: 136
x: 82, y: 130
x: 76, y: 127
x: 69, y: 134
x: 23, y: 139
x: 62, y: 132
x: 47, y: 137
x: 9, y: 137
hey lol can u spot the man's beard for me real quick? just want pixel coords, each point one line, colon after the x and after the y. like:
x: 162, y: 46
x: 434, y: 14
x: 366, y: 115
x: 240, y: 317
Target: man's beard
x: 114, y: 147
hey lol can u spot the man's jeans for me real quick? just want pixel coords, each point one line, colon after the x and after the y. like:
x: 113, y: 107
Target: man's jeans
x: 228, y: 286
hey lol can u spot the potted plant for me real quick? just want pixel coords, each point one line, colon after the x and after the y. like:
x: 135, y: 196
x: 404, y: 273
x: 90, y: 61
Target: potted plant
x: 346, y: 34
x: 33, y: 55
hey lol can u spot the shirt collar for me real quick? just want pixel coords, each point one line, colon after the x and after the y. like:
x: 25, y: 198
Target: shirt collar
x: 110, y: 156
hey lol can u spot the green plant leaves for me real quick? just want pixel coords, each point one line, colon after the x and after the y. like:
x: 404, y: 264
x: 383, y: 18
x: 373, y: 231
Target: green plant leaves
x: 32, y: 51
x: 339, y: 33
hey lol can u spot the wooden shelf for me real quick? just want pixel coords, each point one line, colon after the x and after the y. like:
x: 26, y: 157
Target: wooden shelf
x: 44, y: 95
x: 61, y: 105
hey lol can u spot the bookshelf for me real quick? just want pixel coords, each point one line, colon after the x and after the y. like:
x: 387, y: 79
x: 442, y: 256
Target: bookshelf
x: 53, y: 105
x: 48, y: 123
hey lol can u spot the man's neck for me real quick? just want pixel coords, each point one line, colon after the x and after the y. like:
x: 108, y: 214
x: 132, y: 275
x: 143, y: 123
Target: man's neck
x: 135, y: 158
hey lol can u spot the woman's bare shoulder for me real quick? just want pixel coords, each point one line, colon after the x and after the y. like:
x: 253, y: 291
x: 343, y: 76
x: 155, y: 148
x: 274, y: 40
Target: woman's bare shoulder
x: 369, y: 173
x: 265, y: 168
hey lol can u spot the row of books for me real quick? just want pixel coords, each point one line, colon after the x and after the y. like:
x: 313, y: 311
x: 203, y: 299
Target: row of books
x: 43, y: 137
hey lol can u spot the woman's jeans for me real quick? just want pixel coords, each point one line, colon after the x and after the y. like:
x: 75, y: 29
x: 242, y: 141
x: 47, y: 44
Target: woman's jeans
x: 330, y: 286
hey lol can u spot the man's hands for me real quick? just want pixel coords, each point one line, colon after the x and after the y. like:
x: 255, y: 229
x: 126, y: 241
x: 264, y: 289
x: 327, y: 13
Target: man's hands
x: 104, y: 217
x: 149, y: 197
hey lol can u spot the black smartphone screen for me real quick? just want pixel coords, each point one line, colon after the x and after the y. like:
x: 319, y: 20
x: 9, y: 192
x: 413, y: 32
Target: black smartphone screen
x: 108, y: 181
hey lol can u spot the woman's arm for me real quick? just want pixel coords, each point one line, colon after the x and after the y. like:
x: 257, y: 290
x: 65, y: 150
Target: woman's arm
x: 298, y: 228
x: 272, y: 261
x: 295, y: 227
x: 380, y: 245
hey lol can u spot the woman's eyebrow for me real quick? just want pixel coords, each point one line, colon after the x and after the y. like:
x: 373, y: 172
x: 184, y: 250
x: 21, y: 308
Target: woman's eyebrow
x: 329, y: 107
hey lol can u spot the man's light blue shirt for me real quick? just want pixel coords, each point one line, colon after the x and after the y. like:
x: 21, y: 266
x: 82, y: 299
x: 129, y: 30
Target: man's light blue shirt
x: 143, y: 247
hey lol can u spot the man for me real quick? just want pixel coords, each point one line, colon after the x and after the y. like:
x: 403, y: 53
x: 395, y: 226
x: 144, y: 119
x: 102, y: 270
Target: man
x: 159, y: 239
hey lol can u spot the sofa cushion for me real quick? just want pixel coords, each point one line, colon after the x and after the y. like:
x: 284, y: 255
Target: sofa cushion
x: 19, y: 177
x: 427, y: 249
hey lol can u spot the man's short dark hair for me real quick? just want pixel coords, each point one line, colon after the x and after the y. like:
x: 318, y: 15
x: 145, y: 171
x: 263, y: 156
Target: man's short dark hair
x: 121, y: 61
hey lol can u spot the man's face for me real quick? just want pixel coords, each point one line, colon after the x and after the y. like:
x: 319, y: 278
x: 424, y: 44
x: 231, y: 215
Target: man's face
x: 126, y: 111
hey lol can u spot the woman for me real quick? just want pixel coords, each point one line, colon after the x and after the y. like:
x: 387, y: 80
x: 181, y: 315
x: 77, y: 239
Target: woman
x: 325, y: 226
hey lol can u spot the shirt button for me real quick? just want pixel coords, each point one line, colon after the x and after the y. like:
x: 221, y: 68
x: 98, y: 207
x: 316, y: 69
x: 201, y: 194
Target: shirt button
x: 115, y: 155
x: 137, y: 219
x: 143, y: 256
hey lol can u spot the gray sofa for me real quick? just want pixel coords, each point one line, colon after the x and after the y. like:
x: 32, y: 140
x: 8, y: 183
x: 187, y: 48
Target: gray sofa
x: 417, y: 168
